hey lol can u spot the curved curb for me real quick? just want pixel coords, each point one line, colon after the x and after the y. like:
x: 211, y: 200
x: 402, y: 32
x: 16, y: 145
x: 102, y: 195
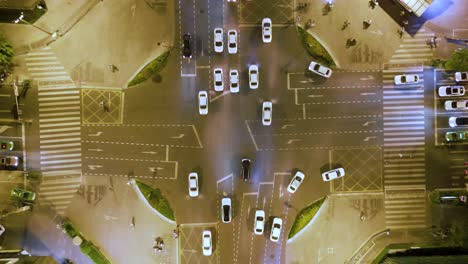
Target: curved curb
x: 326, y: 47
x: 308, y: 224
x: 143, y: 199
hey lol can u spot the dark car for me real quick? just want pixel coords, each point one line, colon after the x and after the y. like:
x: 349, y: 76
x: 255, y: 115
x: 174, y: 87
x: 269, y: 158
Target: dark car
x: 187, y: 47
x: 245, y: 169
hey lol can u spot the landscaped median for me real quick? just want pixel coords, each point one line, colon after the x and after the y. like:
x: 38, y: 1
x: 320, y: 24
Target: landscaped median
x: 305, y: 216
x: 315, y: 48
x: 86, y: 246
x: 449, y: 196
x: 156, y: 200
x: 151, y: 69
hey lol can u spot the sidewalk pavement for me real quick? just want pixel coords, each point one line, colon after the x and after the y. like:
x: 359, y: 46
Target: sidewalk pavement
x: 123, y: 34
x: 107, y: 224
x: 338, y: 231
x: 376, y: 44
x: 95, y: 33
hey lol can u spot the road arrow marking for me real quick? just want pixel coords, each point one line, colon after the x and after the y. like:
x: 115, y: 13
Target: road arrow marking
x: 307, y: 81
x: 3, y: 128
x: 96, y: 135
x: 369, y: 77
x: 149, y: 152
x: 286, y: 126
x: 98, y: 150
x: 292, y: 140
x: 367, y: 93
x: 152, y: 169
x: 367, y: 138
x: 367, y: 123
x: 179, y: 136
x: 315, y: 95
x: 93, y: 167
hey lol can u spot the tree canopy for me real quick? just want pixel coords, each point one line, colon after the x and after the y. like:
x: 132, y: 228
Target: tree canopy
x: 6, y: 57
x: 458, y: 61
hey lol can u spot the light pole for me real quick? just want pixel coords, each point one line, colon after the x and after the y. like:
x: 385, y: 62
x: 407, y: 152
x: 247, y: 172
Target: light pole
x: 54, y: 34
x: 15, y: 90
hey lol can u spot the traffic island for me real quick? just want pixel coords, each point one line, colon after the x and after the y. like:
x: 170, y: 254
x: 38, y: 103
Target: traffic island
x: 305, y: 216
x: 314, y: 47
x: 456, y: 197
x: 156, y: 200
x: 150, y: 70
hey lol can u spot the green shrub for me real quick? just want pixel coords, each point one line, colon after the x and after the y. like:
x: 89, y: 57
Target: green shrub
x: 314, y: 48
x: 150, y: 69
x: 89, y: 249
x: 304, y: 216
x: 156, y: 200
x: 70, y: 229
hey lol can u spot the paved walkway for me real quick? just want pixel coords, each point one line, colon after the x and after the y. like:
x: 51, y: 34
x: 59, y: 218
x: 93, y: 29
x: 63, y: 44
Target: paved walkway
x: 380, y: 42
x: 338, y: 231
x: 107, y: 223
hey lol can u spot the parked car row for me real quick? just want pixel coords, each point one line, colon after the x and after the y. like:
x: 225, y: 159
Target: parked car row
x: 7, y: 160
x: 456, y: 105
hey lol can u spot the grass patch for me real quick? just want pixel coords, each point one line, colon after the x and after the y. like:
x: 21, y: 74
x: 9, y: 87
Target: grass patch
x: 314, y: 48
x: 304, y: 216
x: 70, y: 229
x: 156, y: 200
x: 88, y: 248
x: 150, y: 69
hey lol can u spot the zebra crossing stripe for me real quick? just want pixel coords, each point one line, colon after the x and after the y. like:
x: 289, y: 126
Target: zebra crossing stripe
x: 73, y: 134
x: 60, y: 161
x: 46, y: 152
x: 59, y: 119
x: 61, y: 187
x: 61, y: 156
x: 59, y: 124
x: 65, y: 108
x: 59, y: 98
x: 58, y: 103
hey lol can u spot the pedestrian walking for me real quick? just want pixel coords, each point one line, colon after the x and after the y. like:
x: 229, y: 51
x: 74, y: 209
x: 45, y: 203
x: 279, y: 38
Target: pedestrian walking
x: 401, y: 31
x: 346, y: 23
x: 434, y: 41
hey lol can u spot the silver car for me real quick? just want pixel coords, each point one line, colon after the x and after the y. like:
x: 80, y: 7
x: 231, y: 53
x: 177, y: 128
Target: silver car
x: 320, y: 70
x: 333, y: 174
x: 226, y: 210
x: 296, y: 182
x: 218, y: 40
x: 9, y: 161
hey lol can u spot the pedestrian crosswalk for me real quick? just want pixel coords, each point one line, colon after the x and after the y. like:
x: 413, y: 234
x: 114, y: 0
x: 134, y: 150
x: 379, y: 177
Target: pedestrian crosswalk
x: 404, y: 149
x: 416, y: 48
x: 59, y: 129
x: 458, y: 169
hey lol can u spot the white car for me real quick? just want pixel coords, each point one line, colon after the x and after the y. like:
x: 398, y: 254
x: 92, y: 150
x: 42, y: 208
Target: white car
x: 207, y: 245
x: 276, y: 229
x: 333, y: 174
x: 267, y: 30
x: 218, y: 40
x: 253, y: 76
x: 234, y: 81
x: 296, y: 182
x: 406, y: 79
x: 218, y: 79
x: 458, y: 121
x: 232, y: 0
x: 461, y: 76
x: 267, y: 113
x: 447, y: 91
x: 193, y: 184
x: 232, y: 42
x: 203, y: 102
x: 226, y: 210
x: 456, y: 105
x: 259, y: 224
x: 320, y: 70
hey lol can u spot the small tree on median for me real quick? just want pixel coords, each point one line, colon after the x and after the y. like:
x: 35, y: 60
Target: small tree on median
x: 6, y: 58
x: 458, y: 61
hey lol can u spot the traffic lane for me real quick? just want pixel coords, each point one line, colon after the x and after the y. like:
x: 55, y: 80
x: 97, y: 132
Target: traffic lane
x: 356, y: 109
x: 259, y: 242
x: 245, y: 231
x: 317, y: 124
x: 309, y: 80
x: 274, y: 249
x: 192, y: 245
x: 331, y: 95
x: 187, y: 15
x: 225, y: 239
x: 337, y: 139
x: 129, y: 167
x: 124, y: 151
x: 203, y: 32
x: 153, y: 134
